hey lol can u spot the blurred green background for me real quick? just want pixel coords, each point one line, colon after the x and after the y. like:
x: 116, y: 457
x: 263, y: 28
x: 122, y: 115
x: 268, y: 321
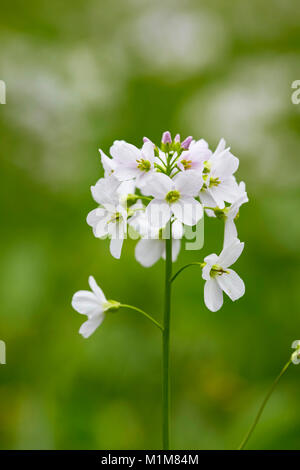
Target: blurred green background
x: 79, y: 75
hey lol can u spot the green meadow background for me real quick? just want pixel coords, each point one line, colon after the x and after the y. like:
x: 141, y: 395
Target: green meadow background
x: 79, y: 75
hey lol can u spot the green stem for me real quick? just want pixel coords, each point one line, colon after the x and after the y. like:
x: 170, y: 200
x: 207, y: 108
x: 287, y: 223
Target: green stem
x: 166, y: 343
x: 261, y: 409
x: 187, y: 266
x: 131, y: 307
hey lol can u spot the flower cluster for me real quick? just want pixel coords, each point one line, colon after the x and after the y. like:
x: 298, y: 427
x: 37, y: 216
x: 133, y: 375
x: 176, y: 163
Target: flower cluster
x: 155, y: 191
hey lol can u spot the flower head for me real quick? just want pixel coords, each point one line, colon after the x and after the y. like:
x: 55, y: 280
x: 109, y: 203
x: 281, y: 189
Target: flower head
x: 220, y: 278
x: 94, y: 305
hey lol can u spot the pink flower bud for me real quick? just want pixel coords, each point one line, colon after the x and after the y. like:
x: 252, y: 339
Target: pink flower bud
x: 166, y: 138
x: 177, y: 138
x: 186, y: 143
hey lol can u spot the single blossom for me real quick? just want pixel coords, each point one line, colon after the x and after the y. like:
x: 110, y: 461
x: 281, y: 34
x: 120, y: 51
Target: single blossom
x: 131, y: 162
x: 109, y: 165
x: 111, y: 218
x: 194, y: 158
x: 220, y: 184
x: 93, y: 305
x: 174, y: 196
x: 219, y: 278
x: 230, y: 213
x: 296, y: 354
x: 152, y: 245
x: 230, y: 231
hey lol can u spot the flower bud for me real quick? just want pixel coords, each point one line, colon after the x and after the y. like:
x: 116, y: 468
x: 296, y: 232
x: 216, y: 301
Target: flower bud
x: 166, y: 138
x: 186, y: 143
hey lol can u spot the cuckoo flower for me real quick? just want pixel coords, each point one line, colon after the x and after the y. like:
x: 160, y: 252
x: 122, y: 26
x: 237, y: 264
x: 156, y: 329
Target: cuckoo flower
x: 220, y: 184
x: 131, y: 162
x: 173, y: 196
x: 194, y: 158
x: 219, y: 278
x: 111, y: 218
x: 93, y: 305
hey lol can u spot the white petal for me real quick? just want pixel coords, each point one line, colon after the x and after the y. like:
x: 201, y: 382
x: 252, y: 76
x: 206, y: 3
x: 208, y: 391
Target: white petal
x: 228, y: 189
x: 188, y: 183
x: 295, y: 344
x: 96, y: 289
x: 217, y: 196
x: 126, y: 187
x: 158, y: 185
x: 187, y: 210
x: 116, y: 247
x: 148, y: 151
x: 231, y: 253
x: 125, y: 173
x: 102, y: 226
x: 104, y: 191
x: 231, y: 284
x: 148, y: 252
x: 177, y: 230
x: 230, y: 231
x: 158, y: 213
x: 107, y: 163
x: 88, y: 327
x: 213, y: 295
x: 210, y: 260
x: 221, y: 146
x: 123, y: 152
x: 207, y: 199
x: 86, y: 303
x: 94, y: 216
x: 225, y: 165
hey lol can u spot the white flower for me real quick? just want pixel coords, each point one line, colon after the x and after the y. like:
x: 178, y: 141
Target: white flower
x: 296, y: 354
x: 174, y: 196
x: 194, y: 158
x: 152, y: 245
x: 109, y: 165
x: 94, y: 305
x: 220, y: 184
x: 219, y: 278
x: 130, y: 162
x: 230, y: 229
x: 111, y: 218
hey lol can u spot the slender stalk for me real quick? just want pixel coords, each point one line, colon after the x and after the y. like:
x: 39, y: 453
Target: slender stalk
x: 166, y: 344
x: 261, y: 409
x: 131, y: 307
x: 186, y: 266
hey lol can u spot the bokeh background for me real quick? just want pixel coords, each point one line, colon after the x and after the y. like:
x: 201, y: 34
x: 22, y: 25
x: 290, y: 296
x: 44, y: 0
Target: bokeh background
x: 79, y: 75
